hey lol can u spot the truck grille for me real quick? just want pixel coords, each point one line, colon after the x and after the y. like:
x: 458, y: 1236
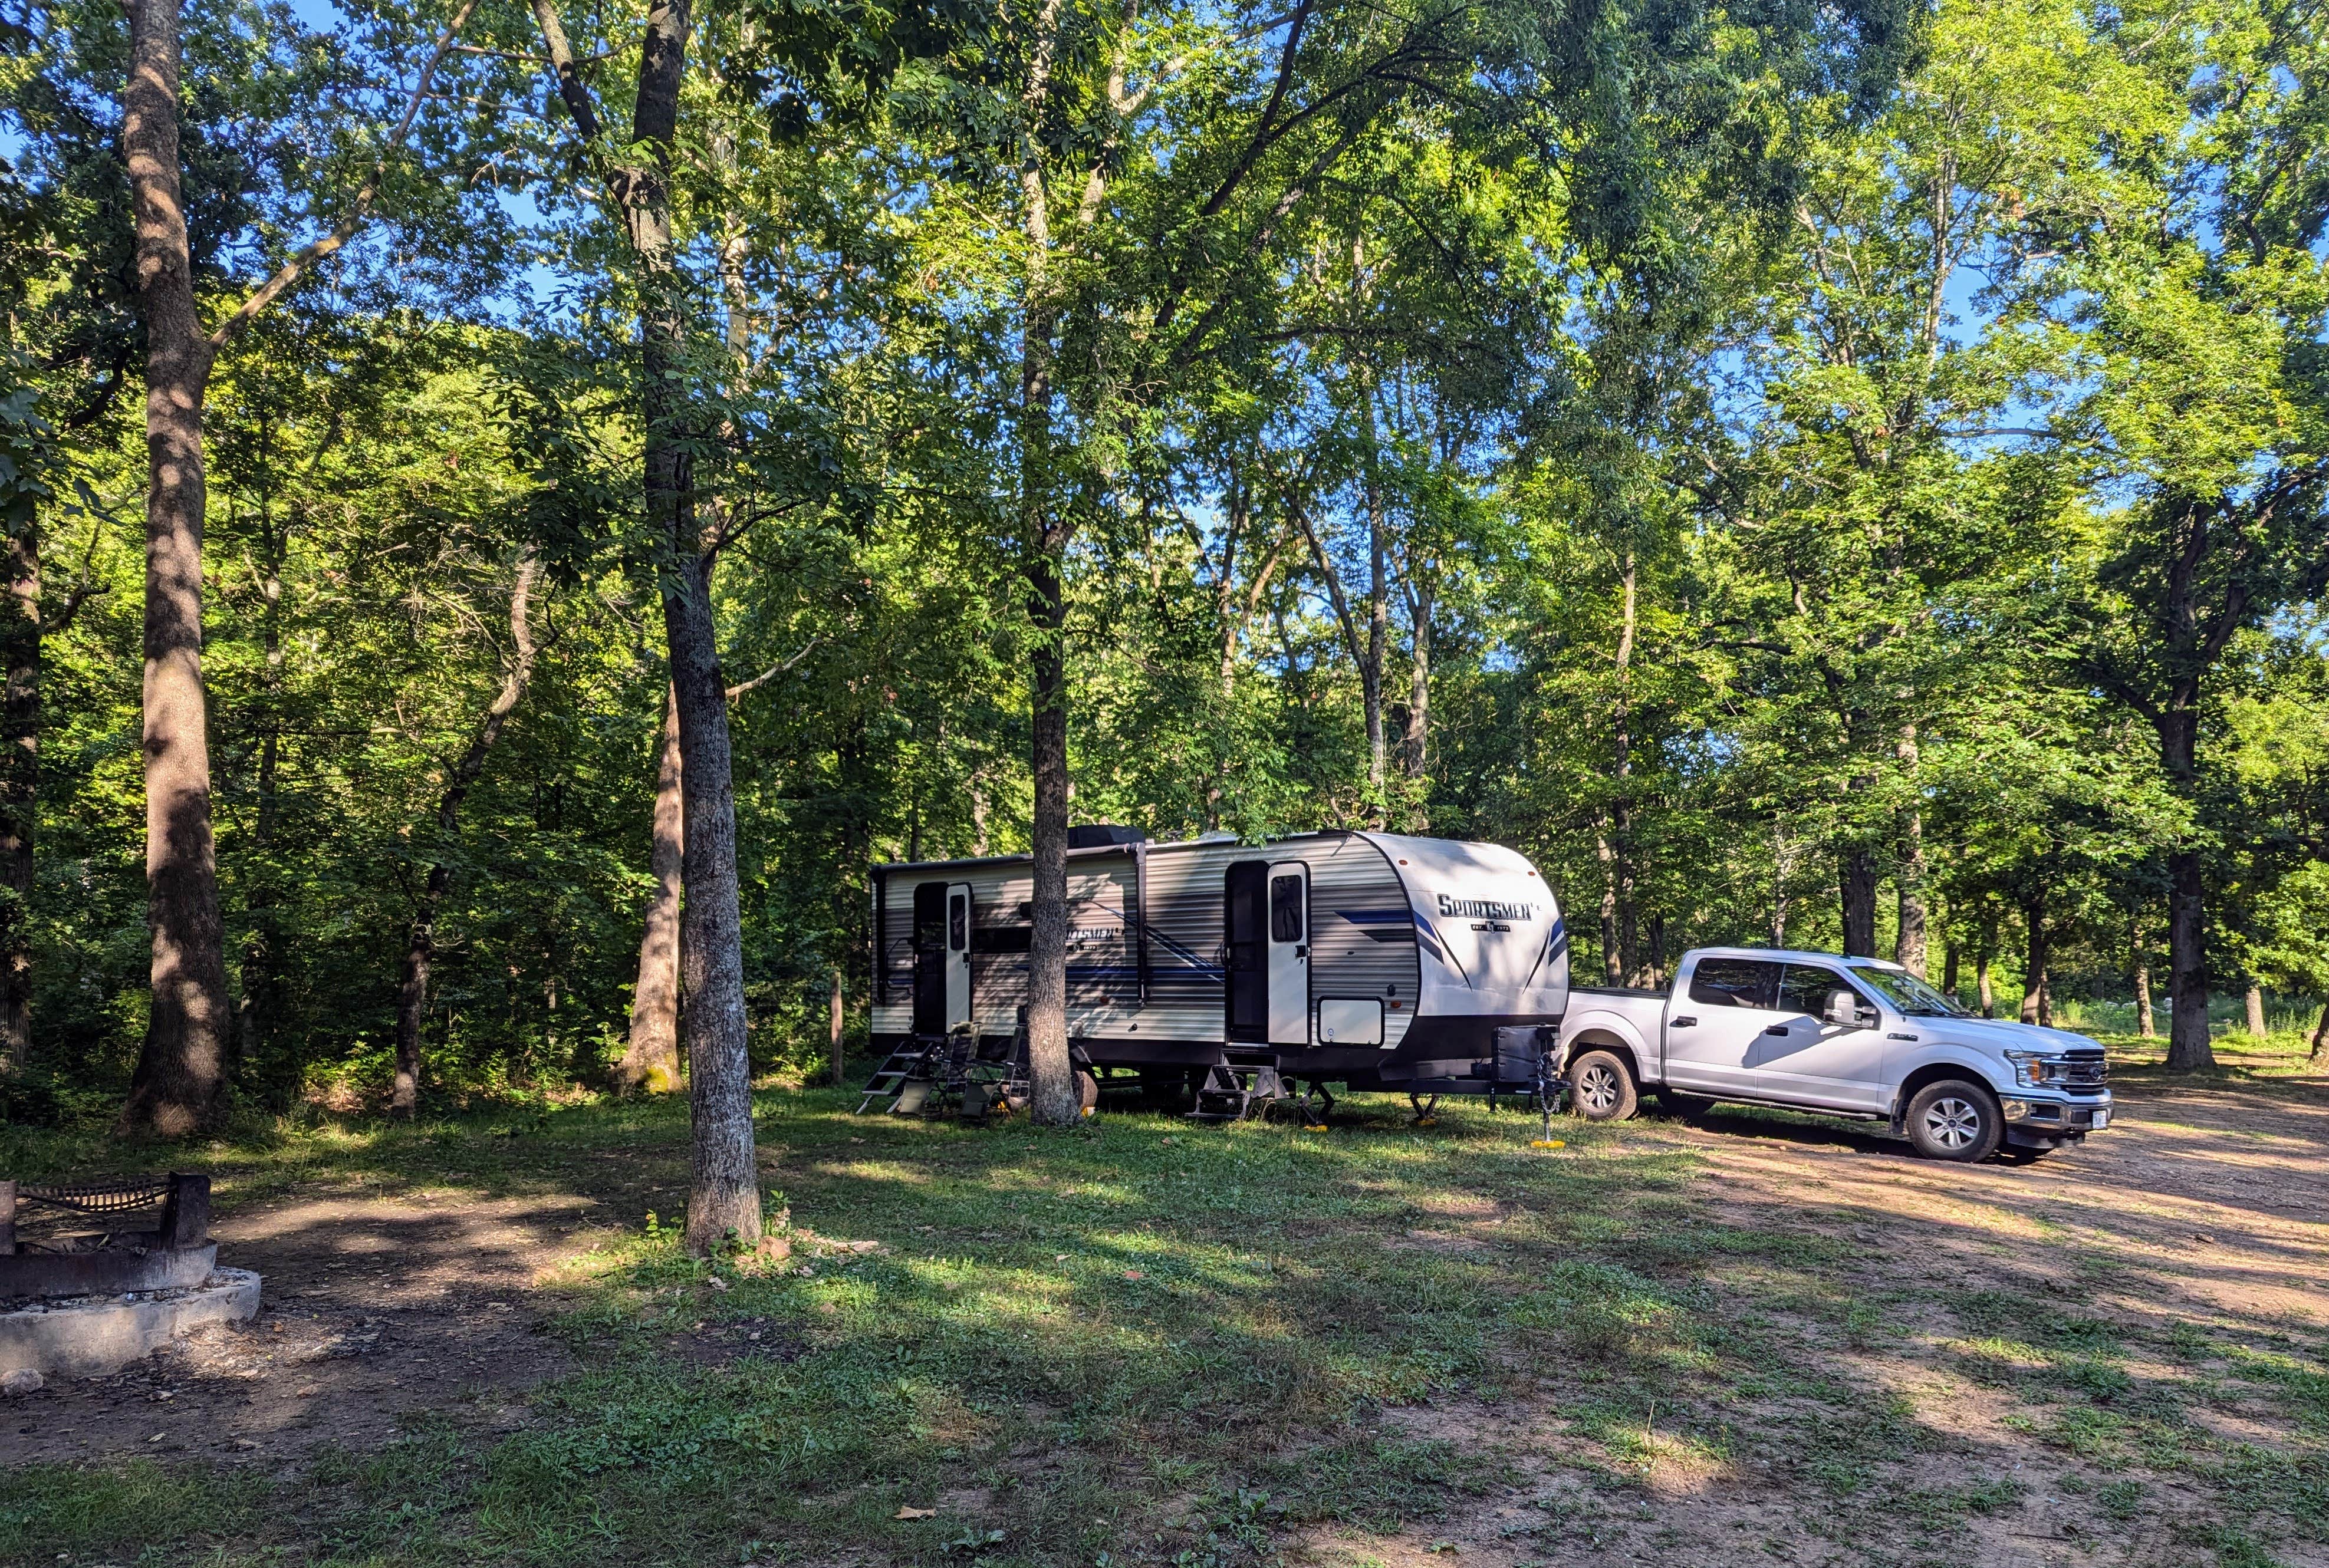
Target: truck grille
x: 2086, y: 1070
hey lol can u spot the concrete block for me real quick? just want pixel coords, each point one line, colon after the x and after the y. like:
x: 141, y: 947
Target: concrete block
x: 90, y: 1337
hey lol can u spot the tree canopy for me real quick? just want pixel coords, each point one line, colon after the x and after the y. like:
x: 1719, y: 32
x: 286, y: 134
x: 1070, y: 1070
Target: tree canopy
x: 1844, y: 476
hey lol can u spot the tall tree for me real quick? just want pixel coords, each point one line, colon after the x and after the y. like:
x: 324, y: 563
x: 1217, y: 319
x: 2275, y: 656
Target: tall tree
x: 724, y: 1196
x: 181, y: 1068
x: 421, y: 946
x: 2195, y: 300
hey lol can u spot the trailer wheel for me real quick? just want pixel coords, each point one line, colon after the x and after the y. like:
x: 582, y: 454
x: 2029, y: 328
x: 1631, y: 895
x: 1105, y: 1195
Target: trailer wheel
x: 1601, y: 1087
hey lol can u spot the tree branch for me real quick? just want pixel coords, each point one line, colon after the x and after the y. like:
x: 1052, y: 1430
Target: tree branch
x: 772, y: 672
x: 289, y: 273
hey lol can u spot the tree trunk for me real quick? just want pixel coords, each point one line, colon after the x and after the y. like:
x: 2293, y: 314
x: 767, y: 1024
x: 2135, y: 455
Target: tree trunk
x: 2189, y: 1049
x: 2143, y: 1025
x: 1054, y: 1099
x: 1859, y: 879
x: 420, y: 945
x: 180, y: 1070
x: 834, y: 1028
x: 1621, y: 810
x: 724, y: 1191
x: 1051, y: 1072
x: 1949, y: 966
x: 1613, y: 959
x: 1371, y: 668
x: 651, y: 1057
x: 19, y: 790
x: 262, y: 943
x: 1983, y: 957
x: 2036, y: 1005
x: 1418, y: 704
x: 1909, y: 943
x: 2321, y: 1034
x: 2255, y: 1000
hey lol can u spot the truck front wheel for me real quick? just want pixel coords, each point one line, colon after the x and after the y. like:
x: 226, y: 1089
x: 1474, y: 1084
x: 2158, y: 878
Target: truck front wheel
x: 1601, y: 1087
x: 1955, y: 1120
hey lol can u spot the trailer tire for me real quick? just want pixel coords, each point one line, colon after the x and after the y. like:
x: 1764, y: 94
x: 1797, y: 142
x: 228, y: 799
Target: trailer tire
x: 1957, y: 1120
x: 1601, y: 1087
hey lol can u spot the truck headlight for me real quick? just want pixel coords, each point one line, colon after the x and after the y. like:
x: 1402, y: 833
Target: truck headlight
x: 2031, y: 1069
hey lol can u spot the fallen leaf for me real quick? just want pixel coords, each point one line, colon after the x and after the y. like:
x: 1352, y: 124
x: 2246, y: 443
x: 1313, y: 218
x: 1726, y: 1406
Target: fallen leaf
x: 915, y: 1514
x: 1134, y: 1275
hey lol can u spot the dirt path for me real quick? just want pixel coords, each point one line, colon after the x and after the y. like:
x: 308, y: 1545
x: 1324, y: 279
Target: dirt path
x: 373, y: 1308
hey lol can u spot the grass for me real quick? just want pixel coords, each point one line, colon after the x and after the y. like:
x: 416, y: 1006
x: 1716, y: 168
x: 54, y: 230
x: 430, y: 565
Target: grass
x: 1140, y: 1342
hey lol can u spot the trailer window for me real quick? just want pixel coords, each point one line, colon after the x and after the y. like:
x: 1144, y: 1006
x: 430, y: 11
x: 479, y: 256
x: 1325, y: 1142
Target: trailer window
x: 1734, y: 982
x: 1285, y: 911
x: 957, y: 922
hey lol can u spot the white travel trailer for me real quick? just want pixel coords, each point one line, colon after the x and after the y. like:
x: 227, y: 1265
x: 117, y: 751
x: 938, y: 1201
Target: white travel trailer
x: 1369, y: 960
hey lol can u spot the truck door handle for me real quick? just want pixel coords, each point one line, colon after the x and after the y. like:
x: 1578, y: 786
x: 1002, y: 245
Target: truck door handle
x: 1681, y: 1023
x: 1776, y: 1029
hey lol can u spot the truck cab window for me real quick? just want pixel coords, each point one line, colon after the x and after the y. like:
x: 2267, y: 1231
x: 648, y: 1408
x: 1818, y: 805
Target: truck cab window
x: 1285, y: 911
x: 1734, y: 982
x: 1806, y: 989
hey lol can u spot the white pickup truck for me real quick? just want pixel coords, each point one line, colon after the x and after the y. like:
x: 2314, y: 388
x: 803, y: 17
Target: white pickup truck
x: 1849, y: 1037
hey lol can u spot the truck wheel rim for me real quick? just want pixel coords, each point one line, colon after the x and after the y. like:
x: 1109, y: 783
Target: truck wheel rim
x: 1952, y: 1123
x: 1598, y: 1087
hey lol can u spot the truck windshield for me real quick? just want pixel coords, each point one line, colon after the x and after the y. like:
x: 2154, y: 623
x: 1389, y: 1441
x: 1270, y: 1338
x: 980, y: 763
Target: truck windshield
x: 1912, y: 996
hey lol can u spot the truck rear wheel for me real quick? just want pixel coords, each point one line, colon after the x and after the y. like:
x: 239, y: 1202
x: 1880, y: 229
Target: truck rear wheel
x: 1601, y: 1087
x: 1956, y: 1120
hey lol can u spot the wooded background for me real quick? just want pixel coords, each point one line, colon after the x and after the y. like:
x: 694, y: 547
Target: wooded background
x: 1849, y: 478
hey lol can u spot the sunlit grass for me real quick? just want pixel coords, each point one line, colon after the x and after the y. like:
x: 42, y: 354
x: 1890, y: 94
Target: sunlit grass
x: 1164, y: 1343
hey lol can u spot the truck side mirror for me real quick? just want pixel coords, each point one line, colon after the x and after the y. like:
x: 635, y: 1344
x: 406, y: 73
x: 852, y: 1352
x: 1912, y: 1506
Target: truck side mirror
x: 1843, y: 1008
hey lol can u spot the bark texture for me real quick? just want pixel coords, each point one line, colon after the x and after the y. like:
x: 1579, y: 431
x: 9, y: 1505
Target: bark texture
x: 2037, y: 1004
x: 1054, y: 1099
x: 651, y: 1057
x: 19, y: 790
x: 2255, y: 1006
x: 420, y: 944
x: 182, y: 1064
x: 1908, y: 942
x: 1859, y: 881
x: 834, y: 1030
x: 180, y: 1070
x: 2189, y: 1049
x: 724, y: 1194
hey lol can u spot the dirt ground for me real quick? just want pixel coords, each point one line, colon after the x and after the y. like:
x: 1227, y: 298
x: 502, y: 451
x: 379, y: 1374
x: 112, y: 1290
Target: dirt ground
x: 2214, y: 1204
x: 371, y: 1309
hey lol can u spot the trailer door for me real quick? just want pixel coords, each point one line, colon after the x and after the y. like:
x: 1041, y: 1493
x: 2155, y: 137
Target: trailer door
x: 930, y: 957
x: 1289, y: 954
x: 1244, y: 952
x: 957, y: 956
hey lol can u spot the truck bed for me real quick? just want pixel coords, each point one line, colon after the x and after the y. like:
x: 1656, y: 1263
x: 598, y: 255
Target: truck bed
x: 1660, y: 994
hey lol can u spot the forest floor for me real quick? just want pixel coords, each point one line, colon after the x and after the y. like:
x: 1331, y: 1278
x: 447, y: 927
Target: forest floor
x: 1754, y: 1335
